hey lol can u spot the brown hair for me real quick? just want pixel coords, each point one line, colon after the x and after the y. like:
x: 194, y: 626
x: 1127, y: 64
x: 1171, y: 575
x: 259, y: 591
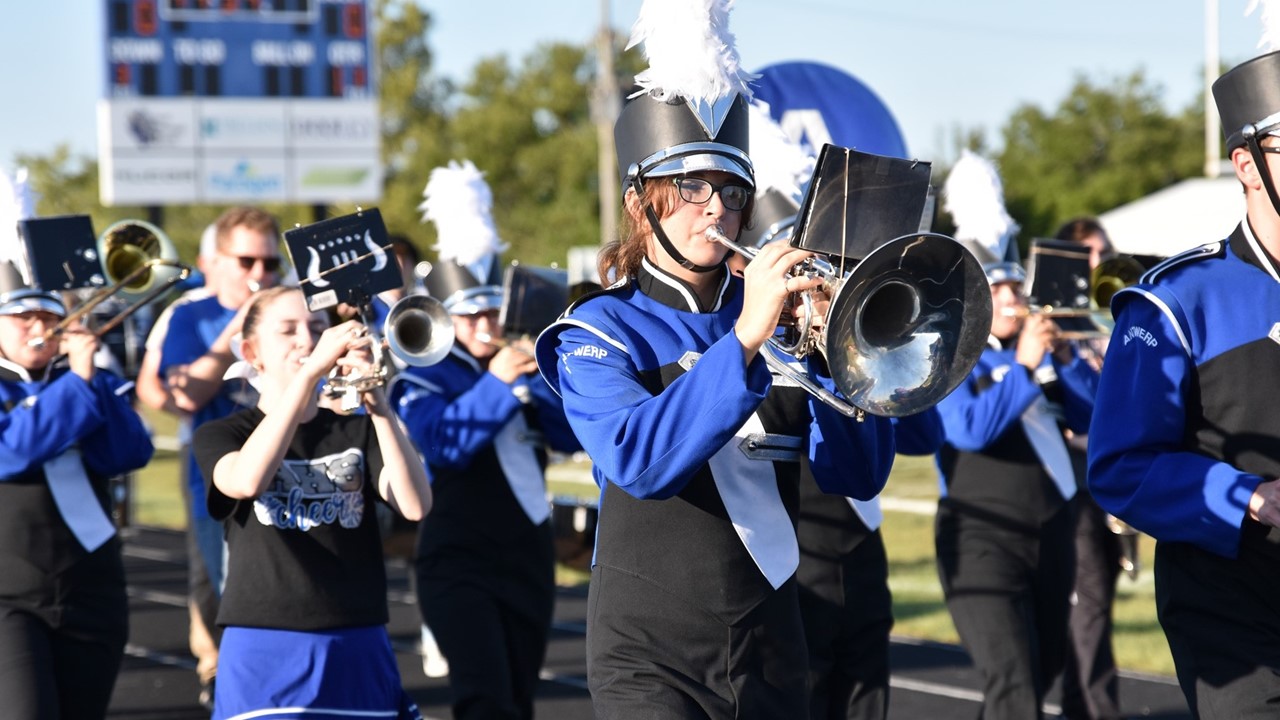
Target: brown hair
x: 258, y: 304
x: 1079, y: 229
x: 622, y: 257
x: 245, y: 216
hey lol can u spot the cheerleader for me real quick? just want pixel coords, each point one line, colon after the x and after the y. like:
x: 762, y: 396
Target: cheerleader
x: 305, y: 603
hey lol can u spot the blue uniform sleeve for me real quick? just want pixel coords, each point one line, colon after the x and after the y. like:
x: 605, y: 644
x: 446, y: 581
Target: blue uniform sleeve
x: 551, y: 418
x: 1139, y: 469
x: 63, y: 412
x: 122, y: 443
x: 651, y: 445
x: 449, y: 422
x: 1079, y: 387
x: 847, y: 457
x: 973, y: 419
x: 919, y: 434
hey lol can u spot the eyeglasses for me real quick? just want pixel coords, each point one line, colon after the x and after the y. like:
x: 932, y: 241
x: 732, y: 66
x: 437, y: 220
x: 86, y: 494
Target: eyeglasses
x: 269, y: 264
x: 698, y: 191
x: 1274, y: 150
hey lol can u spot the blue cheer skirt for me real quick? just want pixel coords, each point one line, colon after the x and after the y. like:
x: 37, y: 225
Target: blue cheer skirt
x: 294, y: 675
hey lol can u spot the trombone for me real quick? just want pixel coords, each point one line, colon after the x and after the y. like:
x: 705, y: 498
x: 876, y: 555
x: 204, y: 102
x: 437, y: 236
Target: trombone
x: 138, y: 259
x: 903, y: 329
x: 1108, y: 278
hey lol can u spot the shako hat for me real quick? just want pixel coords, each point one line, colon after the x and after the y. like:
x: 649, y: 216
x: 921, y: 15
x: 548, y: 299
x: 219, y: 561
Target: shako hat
x: 974, y: 195
x: 467, y: 279
x: 690, y: 113
x: 1248, y: 98
x: 17, y: 296
x: 17, y: 293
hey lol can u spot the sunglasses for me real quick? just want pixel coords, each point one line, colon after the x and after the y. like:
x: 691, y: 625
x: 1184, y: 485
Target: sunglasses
x: 269, y: 264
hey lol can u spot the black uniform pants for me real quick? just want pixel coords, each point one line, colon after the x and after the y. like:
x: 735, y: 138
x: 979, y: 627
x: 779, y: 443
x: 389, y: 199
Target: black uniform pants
x: 849, y: 641
x: 1222, y: 620
x: 491, y: 617
x: 655, y: 656
x: 62, y: 664
x: 1008, y: 589
x: 1090, y: 681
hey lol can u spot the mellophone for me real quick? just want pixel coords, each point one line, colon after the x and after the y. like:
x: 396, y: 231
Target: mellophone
x: 909, y: 311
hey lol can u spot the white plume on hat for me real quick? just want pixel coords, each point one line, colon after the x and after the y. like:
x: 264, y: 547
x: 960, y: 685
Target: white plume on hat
x: 16, y: 203
x: 690, y: 50
x: 975, y: 198
x: 1270, y: 16
x: 460, y: 203
x: 780, y: 162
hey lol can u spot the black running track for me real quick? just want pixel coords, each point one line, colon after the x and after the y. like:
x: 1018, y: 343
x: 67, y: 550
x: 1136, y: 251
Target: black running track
x: 158, y: 682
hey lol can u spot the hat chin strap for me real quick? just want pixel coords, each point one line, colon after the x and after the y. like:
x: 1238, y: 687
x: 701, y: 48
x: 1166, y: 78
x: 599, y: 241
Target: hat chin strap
x: 1260, y: 160
x: 663, y: 240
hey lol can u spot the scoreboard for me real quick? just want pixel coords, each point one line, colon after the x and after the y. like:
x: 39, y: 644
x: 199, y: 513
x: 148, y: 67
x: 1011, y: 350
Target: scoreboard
x: 238, y: 101
x: 237, y: 48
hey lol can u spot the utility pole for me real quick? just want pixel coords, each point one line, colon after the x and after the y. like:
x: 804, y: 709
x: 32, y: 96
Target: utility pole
x: 604, y: 110
x: 1212, y: 127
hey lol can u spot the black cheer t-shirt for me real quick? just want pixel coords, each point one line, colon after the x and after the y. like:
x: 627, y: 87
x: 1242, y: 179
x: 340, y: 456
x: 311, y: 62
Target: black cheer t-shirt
x: 306, y: 553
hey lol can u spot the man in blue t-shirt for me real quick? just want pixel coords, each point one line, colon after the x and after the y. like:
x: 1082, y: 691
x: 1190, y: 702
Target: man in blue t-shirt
x: 195, y: 354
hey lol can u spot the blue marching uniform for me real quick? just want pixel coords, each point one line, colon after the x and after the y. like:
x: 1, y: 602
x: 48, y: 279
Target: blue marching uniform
x: 1004, y: 528
x: 693, y: 608
x: 844, y: 588
x: 1187, y: 426
x: 485, y: 565
x: 63, y: 610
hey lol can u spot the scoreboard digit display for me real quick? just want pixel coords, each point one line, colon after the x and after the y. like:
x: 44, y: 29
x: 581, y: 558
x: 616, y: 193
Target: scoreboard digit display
x: 238, y: 100
x: 238, y: 48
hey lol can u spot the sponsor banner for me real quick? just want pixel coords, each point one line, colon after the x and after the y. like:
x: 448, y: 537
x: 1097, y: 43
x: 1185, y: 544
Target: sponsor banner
x: 336, y: 178
x: 146, y: 125
x: 148, y: 180
x: 241, y: 178
x: 242, y: 124
x: 334, y: 124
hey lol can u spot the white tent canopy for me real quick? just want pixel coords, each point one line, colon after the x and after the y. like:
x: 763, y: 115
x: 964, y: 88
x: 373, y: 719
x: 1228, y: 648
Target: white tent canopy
x: 1181, y: 216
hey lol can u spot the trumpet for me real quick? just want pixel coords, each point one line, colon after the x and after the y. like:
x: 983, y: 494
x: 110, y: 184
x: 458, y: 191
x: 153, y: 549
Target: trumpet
x: 418, y: 331
x: 1046, y: 311
x: 903, y: 328
x: 502, y: 342
x: 138, y: 259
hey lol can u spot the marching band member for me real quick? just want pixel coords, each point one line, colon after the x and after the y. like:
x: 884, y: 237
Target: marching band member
x: 1090, y: 678
x: 1004, y: 528
x: 64, y: 432
x: 843, y: 575
x: 693, y: 607
x: 1185, y: 445
x: 304, y: 609
x: 482, y: 417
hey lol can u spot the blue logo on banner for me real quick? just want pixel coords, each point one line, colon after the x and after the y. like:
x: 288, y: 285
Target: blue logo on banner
x: 816, y: 104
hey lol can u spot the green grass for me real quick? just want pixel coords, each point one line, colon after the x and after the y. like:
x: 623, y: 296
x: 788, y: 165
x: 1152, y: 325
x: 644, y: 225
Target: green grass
x: 918, y: 607
x: 917, y: 596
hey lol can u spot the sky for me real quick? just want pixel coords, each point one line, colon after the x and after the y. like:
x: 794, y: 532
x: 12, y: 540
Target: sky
x: 940, y: 66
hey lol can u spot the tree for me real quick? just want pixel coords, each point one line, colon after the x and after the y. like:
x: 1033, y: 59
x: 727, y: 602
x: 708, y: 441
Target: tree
x: 411, y: 101
x: 1102, y: 147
